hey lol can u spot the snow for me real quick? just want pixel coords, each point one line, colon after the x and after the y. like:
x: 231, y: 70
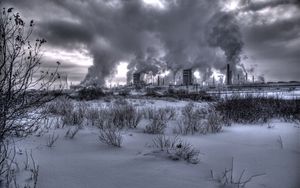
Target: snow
x: 84, y: 162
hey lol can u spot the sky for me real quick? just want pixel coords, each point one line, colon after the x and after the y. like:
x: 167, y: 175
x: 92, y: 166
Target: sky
x: 103, y: 41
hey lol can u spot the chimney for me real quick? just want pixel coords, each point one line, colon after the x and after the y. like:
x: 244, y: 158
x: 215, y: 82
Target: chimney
x: 136, y: 78
x: 158, y: 80
x: 187, y: 77
x: 228, y: 75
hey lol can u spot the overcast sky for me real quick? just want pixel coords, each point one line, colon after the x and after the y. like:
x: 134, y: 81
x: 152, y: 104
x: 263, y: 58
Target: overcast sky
x: 261, y: 37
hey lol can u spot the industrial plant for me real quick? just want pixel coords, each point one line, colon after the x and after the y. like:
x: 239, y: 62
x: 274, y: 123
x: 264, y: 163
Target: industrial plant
x: 186, y: 80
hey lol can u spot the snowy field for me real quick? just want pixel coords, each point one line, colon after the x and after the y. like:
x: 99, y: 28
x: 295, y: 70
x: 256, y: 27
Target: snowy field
x: 271, y: 151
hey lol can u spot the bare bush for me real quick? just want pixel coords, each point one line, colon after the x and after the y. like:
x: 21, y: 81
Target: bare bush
x: 192, y: 120
x: 280, y: 142
x: 51, y: 140
x: 250, y: 109
x: 163, y: 142
x: 158, y: 123
x: 10, y: 171
x: 61, y: 106
x: 8, y: 166
x: 82, y: 108
x: 73, y: 118
x: 71, y: 132
x: 171, y: 113
x: 214, y: 121
x: 34, y: 171
x: 111, y: 136
x: 90, y: 93
x: 121, y: 101
x: 198, y: 120
x: 150, y: 113
x: 125, y: 116
x: 227, y: 178
x: 176, y: 148
x: 97, y: 117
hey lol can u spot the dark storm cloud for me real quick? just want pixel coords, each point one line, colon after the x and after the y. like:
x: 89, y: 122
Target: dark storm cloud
x: 256, y: 6
x: 273, y: 38
x: 64, y: 33
x: 183, y: 34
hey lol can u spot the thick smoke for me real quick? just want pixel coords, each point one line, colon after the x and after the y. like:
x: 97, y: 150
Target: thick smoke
x: 185, y: 34
x: 224, y: 33
x: 181, y: 35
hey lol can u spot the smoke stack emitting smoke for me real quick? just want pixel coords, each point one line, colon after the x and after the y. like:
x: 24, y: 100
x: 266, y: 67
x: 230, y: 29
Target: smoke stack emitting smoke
x: 183, y: 35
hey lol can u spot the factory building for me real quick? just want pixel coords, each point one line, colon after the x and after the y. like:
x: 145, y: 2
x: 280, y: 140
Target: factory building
x: 228, y: 75
x: 187, y: 77
x: 136, y: 78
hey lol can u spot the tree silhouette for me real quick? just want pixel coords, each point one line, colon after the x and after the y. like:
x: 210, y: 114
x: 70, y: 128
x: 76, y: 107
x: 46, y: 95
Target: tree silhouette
x: 23, y: 86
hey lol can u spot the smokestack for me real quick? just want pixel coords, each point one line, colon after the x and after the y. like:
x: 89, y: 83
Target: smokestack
x: 136, y: 78
x: 158, y: 80
x: 253, y: 78
x: 228, y: 75
x: 246, y: 77
x: 187, y: 76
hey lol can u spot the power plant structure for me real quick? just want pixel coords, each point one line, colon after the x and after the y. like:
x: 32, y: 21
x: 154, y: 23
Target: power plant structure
x: 232, y: 82
x: 228, y: 75
x: 187, y: 77
x: 136, y: 78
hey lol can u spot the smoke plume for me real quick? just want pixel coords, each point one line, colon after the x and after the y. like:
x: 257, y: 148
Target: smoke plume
x: 180, y: 35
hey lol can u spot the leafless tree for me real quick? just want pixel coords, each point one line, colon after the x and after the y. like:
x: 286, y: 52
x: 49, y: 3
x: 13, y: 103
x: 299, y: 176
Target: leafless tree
x: 23, y: 85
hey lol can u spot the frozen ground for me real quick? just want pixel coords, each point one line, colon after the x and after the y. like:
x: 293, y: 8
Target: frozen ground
x: 84, y: 162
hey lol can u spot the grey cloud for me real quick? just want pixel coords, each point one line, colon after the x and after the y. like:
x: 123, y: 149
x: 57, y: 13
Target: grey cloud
x: 186, y: 34
x: 249, y: 5
x: 65, y: 33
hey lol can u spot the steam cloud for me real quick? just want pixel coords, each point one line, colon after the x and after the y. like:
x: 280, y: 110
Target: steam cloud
x: 186, y: 34
x: 183, y: 34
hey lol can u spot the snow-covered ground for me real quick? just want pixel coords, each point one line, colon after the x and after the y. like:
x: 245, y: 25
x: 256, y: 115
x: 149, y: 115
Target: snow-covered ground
x: 84, y: 162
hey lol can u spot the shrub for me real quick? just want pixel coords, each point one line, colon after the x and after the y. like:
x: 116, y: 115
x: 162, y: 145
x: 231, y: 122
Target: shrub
x: 71, y: 132
x: 150, y: 113
x: 251, y: 109
x: 121, y: 101
x: 61, y: 106
x: 157, y: 124
x: 90, y: 93
x: 199, y: 120
x: 214, y: 121
x: 170, y: 113
x: 82, y: 108
x: 111, y: 136
x: 176, y: 148
x: 227, y: 179
x: 192, y: 120
x: 125, y: 116
x: 51, y: 140
x: 74, y: 118
x: 94, y: 116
